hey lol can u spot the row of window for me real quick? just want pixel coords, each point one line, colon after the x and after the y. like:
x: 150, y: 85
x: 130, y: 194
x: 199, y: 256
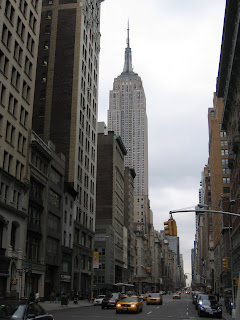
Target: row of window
x: 8, y: 166
x: 6, y: 196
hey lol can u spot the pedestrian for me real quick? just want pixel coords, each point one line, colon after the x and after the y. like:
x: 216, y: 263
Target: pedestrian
x: 36, y: 297
x: 52, y: 294
x: 57, y: 297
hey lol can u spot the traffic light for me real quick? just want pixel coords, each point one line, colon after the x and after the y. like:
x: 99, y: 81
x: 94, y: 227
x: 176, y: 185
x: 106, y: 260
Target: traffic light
x: 235, y: 282
x: 225, y: 263
x: 168, y: 227
x: 174, y: 227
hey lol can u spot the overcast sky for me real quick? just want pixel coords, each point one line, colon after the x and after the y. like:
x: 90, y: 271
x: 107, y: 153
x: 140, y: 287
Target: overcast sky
x: 175, y: 50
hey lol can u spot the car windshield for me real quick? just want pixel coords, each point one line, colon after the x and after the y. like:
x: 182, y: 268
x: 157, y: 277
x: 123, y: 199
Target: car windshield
x: 154, y: 295
x: 100, y: 297
x: 11, y: 310
x: 115, y: 295
x: 131, y: 299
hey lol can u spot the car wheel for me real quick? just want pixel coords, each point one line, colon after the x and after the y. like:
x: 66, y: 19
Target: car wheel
x: 141, y: 309
x: 103, y: 307
x: 117, y: 311
x: 147, y: 303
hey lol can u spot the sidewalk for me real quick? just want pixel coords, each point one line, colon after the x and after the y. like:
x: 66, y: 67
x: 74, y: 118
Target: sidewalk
x: 225, y: 315
x: 51, y: 306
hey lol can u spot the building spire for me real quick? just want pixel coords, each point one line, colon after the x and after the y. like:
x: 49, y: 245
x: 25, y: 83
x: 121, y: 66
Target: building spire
x: 128, y: 55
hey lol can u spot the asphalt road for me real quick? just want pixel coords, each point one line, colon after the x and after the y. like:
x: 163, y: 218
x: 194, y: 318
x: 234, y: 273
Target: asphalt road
x: 182, y: 309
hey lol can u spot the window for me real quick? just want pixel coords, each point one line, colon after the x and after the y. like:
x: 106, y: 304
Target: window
x: 224, y: 161
x: 53, y: 222
x: 52, y: 245
x: 225, y: 171
x: 223, y: 143
x: 12, y: 105
x: 226, y: 180
x: 83, y: 239
x: 6, y: 37
x: 3, y: 94
x: 13, y: 235
x: 4, y: 64
x: 223, y: 134
x: 54, y: 199
x: 224, y: 152
x: 226, y: 189
x: 33, y: 245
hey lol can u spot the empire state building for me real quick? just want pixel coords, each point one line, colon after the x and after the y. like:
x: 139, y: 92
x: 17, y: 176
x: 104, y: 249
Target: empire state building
x: 127, y: 117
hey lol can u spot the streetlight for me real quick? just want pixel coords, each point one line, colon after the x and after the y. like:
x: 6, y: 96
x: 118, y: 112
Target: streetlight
x: 199, y: 209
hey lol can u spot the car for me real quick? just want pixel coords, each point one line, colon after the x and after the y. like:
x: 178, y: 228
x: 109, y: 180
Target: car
x: 176, y: 295
x: 98, y: 300
x: 129, y: 304
x: 22, y: 309
x: 155, y: 298
x: 210, y: 308
x: 110, y: 300
x: 202, y: 297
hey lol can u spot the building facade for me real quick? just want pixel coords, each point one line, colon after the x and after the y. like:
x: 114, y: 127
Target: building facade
x: 65, y: 111
x: 19, y: 32
x: 109, y: 238
x: 228, y: 89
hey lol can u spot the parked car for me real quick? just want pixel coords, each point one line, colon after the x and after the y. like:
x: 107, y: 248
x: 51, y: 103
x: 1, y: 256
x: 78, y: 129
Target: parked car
x: 22, y: 309
x: 210, y: 308
x: 202, y: 297
x: 98, y: 300
x: 155, y: 298
x: 176, y: 295
x: 129, y: 304
x: 110, y: 300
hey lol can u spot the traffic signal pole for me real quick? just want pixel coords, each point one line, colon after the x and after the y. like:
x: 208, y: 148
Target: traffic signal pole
x: 200, y: 209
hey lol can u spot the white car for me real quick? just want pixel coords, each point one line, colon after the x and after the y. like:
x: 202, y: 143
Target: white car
x: 98, y: 301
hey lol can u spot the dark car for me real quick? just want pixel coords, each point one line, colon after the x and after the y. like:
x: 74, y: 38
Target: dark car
x: 22, y: 309
x: 202, y: 297
x: 110, y: 300
x: 210, y: 308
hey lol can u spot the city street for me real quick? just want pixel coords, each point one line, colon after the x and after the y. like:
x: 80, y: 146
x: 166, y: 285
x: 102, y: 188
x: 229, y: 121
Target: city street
x: 171, y: 309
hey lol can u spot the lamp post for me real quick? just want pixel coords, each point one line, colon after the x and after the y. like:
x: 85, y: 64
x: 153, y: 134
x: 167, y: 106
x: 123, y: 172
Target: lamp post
x: 199, y: 208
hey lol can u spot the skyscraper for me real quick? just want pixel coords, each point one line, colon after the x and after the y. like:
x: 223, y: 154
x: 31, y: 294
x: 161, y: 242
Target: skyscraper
x: 19, y: 32
x: 127, y: 117
x: 65, y: 112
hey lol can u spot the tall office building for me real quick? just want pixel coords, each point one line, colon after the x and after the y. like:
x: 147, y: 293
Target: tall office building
x: 65, y: 111
x: 127, y: 117
x: 19, y: 33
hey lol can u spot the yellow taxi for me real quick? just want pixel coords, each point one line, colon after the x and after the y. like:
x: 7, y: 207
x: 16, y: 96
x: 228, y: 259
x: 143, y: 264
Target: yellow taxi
x: 129, y: 304
x: 154, y: 298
